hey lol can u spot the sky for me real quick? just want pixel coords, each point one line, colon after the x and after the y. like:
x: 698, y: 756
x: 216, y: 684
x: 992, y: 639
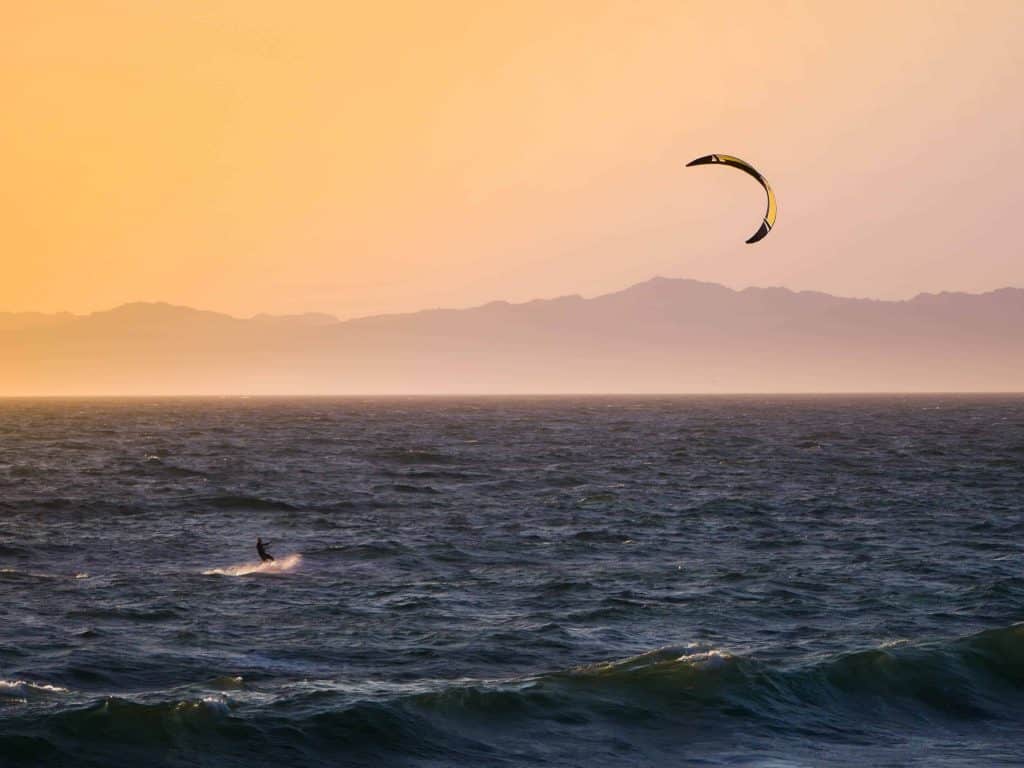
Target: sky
x: 255, y: 156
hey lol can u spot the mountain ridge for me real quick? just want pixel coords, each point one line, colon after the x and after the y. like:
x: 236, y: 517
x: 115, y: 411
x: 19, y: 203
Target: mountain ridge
x: 661, y: 335
x: 321, y: 318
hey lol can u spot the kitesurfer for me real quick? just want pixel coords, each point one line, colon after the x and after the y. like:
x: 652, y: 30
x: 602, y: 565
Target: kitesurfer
x: 261, y: 547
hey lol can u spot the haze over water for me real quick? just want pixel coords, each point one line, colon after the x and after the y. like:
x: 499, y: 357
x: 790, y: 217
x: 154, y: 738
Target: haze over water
x: 548, y: 581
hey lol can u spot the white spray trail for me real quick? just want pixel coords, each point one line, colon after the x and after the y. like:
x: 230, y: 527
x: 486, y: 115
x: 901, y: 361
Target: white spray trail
x: 280, y: 565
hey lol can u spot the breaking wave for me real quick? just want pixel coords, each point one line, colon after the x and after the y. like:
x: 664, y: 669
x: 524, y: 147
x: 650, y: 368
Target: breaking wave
x: 696, y: 694
x: 22, y: 691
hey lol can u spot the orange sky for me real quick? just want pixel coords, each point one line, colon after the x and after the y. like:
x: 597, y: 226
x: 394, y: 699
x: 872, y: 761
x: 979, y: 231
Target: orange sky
x: 356, y: 158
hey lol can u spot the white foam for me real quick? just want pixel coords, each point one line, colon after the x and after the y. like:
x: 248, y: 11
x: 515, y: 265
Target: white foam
x: 707, y: 659
x: 280, y: 565
x: 22, y: 689
x: 35, y: 574
x: 894, y: 643
x: 227, y: 683
x: 215, y: 705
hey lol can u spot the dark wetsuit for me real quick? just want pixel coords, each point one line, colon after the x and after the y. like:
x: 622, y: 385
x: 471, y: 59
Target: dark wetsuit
x: 261, y: 548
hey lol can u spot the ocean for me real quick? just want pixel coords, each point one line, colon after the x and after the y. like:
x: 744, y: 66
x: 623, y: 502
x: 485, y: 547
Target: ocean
x: 593, y: 581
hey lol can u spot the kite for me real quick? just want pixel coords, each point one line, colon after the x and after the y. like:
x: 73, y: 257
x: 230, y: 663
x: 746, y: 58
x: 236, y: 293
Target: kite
x: 735, y: 162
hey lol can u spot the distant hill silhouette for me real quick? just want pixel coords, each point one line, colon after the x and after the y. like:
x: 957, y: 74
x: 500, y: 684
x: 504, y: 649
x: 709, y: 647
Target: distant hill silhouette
x: 659, y: 336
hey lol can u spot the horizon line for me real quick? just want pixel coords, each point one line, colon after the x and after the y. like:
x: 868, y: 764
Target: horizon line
x: 523, y: 395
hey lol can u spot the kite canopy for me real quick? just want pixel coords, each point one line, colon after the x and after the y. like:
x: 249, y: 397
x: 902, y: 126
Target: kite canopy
x: 735, y: 162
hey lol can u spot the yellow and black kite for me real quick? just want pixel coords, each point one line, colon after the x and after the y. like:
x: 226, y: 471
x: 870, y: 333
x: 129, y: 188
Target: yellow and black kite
x: 735, y: 162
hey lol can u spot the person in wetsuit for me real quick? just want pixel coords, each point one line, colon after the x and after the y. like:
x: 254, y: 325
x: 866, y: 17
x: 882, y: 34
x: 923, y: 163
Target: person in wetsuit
x: 262, y: 549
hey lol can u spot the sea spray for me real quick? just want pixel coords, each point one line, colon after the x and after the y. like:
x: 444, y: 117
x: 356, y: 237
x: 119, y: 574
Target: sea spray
x: 277, y: 566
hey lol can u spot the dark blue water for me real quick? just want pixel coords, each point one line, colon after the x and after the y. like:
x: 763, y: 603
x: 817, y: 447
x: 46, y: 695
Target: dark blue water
x: 599, y: 582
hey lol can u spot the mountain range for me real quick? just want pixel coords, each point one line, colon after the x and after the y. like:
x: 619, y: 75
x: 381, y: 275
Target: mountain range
x: 660, y: 336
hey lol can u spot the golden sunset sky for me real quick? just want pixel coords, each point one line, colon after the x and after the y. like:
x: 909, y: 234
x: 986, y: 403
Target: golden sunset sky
x: 359, y: 158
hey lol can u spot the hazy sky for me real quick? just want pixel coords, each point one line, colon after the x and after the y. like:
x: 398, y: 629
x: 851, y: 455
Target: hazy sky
x: 356, y: 158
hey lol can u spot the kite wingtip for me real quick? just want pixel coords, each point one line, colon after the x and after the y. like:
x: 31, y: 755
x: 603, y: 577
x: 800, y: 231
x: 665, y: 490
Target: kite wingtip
x: 702, y: 160
x: 764, y: 230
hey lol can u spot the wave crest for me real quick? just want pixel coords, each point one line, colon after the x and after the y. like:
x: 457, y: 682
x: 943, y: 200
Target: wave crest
x: 976, y: 677
x: 24, y: 690
x: 688, y: 691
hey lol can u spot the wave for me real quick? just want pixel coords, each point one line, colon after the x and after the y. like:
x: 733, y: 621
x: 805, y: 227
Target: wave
x: 701, y: 696
x: 280, y: 565
x: 370, y: 550
x: 413, y: 456
x: 967, y: 677
x: 22, y: 690
x: 237, y: 501
x: 228, y: 683
x: 21, y: 687
x: 128, y: 613
x: 16, y: 574
x: 137, y: 722
x: 407, y: 488
x: 980, y: 677
x: 158, y: 463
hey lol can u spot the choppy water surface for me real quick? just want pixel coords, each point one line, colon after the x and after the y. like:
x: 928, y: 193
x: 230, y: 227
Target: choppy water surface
x: 599, y: 582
